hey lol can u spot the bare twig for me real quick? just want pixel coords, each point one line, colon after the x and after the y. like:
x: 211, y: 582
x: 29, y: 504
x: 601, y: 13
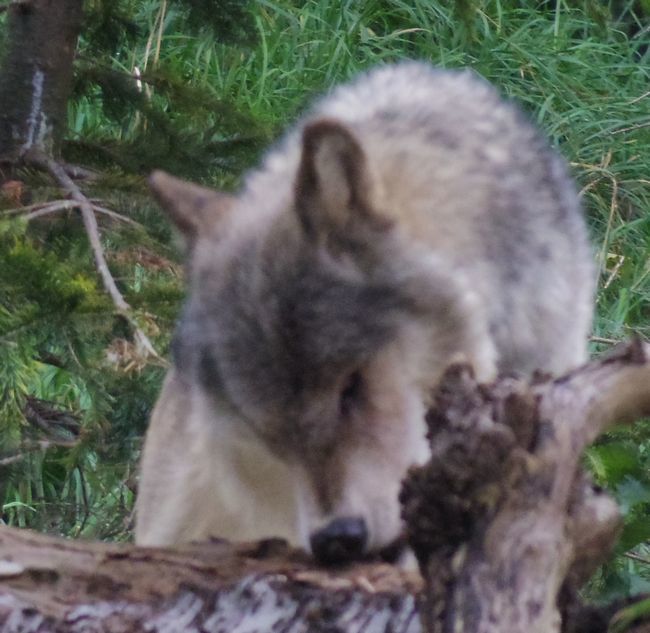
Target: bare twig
x: 50, y: 359
x: 41, y: 209
x: 639, y: 98
x: 38, y: 209
x: 63, y: 205
x: 630, y: 128
x: 158, y: 24
x: 7, y: 461
x: 116, y: 216
x: 606, y: 341
x: 161, y: 23
x: 32, y: 207
x: 42, y: 161
x: 33, y: 447
x: 77, y: 172
x: 620, y: 259
x: 51, y: 418
x: 136, y: 76
x: 637, y: 558
x: 90, y: 223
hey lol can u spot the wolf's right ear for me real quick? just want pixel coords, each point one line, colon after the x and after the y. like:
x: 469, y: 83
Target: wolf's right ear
x: 192, y: 208
x: 333, y: 188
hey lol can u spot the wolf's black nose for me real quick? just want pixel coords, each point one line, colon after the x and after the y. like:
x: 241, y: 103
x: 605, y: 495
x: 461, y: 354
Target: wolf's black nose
x: 340, y: 541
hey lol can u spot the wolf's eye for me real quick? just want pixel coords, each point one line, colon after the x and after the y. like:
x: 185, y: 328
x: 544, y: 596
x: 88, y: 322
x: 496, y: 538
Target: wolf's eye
x: 351, y: 393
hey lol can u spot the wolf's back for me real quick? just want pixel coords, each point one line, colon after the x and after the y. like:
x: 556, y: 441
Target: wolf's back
x: 467, y: 177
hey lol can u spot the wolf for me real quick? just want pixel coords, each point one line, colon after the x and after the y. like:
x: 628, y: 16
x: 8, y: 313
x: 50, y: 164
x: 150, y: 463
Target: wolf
x: 410, y: 219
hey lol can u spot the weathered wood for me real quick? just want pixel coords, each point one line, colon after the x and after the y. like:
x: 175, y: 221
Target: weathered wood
x: 53, y: 585
x: 503, y: 519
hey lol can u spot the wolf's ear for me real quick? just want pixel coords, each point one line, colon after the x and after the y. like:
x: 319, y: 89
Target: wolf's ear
x: 333, y: 185
x: 192, y: 208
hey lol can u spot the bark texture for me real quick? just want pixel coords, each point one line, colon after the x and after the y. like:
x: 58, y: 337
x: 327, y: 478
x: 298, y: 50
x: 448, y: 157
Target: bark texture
x: 505, y: 523
x: 36, y: 75
x: 52, y: 585
x: 503, y: 520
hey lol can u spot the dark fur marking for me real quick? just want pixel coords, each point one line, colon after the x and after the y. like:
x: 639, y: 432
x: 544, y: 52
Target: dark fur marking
x: 209, y: 372
x: 269, y: 344
x: 389, y: 115
x: 439, y: 136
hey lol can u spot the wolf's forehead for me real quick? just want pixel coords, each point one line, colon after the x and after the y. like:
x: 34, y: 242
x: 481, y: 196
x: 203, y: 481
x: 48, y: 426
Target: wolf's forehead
x: 296, y: 323
x: 310, y: 315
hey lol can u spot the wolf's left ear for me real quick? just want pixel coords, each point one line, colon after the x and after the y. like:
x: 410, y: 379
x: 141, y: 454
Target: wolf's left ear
x: 333, y: 186
x: 192, y: 208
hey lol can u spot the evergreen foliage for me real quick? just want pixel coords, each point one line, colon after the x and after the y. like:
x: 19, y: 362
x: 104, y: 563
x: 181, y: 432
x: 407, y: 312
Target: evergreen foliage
x: 218, y: 80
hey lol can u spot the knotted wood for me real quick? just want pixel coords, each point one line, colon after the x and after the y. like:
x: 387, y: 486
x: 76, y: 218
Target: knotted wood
x: 504, y: 520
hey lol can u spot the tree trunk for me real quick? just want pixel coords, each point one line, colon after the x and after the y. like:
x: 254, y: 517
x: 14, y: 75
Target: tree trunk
x: 35, y: 85
x: 504, y: 522
x: 36, y: 75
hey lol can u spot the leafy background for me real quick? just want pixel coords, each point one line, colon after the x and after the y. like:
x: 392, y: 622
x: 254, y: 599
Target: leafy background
x: 200, y: 88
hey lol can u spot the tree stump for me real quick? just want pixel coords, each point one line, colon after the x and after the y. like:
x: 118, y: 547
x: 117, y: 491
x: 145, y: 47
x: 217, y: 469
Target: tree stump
x: 504, y: 521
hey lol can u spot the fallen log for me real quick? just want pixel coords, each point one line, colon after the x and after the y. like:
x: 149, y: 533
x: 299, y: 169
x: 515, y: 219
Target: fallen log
x: 504, y: 521
x: 54, y: 585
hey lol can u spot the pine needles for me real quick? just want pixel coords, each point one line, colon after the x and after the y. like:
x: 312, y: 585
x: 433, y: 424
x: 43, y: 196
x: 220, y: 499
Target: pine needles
x: 201, y: 98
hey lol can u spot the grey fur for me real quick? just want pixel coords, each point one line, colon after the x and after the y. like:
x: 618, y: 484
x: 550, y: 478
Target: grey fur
x: 412, y: 217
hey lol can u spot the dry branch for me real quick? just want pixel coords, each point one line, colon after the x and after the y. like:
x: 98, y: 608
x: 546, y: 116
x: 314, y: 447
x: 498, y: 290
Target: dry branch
x: 57, y: 171
x: 39, y: 209
x: 504, y: 521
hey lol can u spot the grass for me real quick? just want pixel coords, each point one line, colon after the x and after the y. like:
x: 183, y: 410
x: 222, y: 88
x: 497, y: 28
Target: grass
x: 581, y: 75
x: 583, y: 82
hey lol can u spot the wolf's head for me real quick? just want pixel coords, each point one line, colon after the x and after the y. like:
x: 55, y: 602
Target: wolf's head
x: 319, y: 326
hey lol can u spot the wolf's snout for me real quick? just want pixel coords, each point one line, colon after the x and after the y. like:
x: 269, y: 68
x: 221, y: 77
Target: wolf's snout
x: 340, y: 541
